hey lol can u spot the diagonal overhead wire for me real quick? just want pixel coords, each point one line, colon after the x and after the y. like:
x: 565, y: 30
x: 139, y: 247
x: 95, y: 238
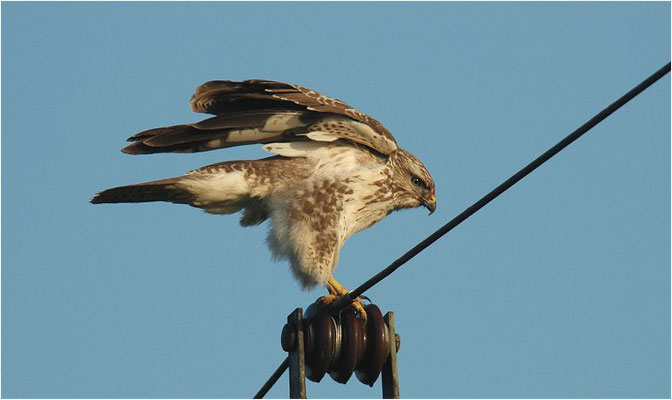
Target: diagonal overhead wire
x: 347, y: 299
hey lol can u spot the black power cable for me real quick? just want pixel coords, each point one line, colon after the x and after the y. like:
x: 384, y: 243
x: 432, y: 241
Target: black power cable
x: 347, y: 299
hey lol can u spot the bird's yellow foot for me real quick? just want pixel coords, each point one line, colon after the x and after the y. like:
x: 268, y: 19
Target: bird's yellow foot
x: 337, y: 290
x: 357, y: 304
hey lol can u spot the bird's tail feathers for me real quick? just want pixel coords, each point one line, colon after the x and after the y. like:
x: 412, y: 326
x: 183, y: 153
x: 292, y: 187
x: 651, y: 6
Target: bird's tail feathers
x: 162, y: 190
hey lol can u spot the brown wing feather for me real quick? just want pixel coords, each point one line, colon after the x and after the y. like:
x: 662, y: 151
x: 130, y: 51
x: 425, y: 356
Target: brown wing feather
x: 257, y: 111
x: 222, y: 131
x: 215, y: 97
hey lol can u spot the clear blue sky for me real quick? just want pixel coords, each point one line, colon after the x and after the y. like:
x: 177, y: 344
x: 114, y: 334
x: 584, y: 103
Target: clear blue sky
x: 560, y: 288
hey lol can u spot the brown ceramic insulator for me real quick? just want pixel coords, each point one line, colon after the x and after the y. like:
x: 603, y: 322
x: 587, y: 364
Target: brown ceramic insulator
x: 288, y: 337
x: 377, y: 347
x: 352, y: 346
x: 320, y: 341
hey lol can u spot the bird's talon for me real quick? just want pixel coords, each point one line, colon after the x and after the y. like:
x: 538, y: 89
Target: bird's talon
x: 357, y: 304
x: 328, y: 299
x: 336, y: 290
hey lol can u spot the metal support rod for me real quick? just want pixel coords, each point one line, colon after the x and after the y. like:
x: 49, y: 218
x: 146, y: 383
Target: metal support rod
x: 297, y: 358
x: 390, y: 373
x: 271, y: 381
x: 347, y: 299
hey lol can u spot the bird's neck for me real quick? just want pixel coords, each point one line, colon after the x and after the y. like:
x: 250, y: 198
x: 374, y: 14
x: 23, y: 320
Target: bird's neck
x: 372, y: 200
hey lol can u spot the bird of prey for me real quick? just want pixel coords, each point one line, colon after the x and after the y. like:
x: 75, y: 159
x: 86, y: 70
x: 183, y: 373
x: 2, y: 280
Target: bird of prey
x: 335, y: 171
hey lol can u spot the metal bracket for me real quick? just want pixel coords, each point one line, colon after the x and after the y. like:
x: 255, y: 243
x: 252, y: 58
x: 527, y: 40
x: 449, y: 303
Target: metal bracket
x: 390, y: 373
x: 297, y: 357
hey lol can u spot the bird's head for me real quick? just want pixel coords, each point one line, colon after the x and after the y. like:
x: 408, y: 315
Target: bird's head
x: 412, y: 184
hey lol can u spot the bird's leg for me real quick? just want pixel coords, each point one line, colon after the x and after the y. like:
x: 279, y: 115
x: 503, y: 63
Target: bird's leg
x: 336, y: 290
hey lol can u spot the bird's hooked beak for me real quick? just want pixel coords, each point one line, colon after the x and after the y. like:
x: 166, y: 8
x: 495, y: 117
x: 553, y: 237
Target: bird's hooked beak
x: 431, y: 204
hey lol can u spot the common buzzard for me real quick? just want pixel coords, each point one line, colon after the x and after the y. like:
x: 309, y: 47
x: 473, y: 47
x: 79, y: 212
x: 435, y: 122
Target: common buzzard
x: 335, y: 171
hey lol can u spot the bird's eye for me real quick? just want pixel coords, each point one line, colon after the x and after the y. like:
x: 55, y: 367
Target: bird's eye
x: 418, y: 182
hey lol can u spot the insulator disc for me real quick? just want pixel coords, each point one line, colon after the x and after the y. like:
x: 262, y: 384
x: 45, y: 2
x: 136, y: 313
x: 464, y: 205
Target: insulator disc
x: 352, y: 346
x: 377, y: 346
x: 320, y: 341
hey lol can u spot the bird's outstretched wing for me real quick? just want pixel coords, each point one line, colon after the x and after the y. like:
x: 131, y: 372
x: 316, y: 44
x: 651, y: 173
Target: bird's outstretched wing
x: 258, y: 111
